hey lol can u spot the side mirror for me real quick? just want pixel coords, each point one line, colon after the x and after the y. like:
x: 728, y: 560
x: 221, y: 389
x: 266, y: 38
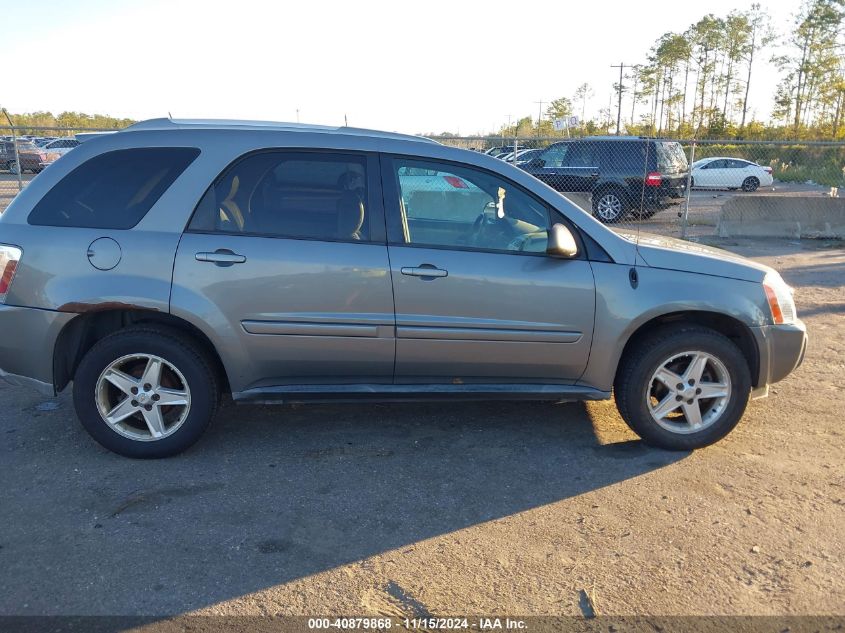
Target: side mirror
x: 561, y: 242
x: 535, y: 163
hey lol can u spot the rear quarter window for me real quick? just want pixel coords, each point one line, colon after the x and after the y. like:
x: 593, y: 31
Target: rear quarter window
x: 671, y: 157
x: 114, y: 190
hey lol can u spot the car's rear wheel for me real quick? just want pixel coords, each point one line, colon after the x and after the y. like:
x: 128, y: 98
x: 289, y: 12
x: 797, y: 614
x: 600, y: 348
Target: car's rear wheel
x: 609, y: 205
x: 145, y: 392
x: 683, y: 387
x: 750, y: 184
x: 13, y: 167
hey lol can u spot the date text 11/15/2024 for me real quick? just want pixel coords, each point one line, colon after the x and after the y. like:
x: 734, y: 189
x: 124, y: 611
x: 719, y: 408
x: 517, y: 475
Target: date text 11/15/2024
x: 412, y: 624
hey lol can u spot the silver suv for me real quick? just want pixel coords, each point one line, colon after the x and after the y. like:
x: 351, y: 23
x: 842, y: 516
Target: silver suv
x: 160, y: 267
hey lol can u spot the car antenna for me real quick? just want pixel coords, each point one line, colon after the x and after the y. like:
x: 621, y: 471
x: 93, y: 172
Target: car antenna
x: 345, y: 122
x: 169, y: 116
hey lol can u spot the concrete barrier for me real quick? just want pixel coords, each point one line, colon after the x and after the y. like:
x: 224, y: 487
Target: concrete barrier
x: 782, y: 216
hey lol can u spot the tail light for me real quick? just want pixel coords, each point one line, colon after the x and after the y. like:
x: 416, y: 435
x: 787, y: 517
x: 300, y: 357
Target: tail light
x: 456, y: 182
x: 654, y: 179
x: 768, y: 170
x: 9, y: 257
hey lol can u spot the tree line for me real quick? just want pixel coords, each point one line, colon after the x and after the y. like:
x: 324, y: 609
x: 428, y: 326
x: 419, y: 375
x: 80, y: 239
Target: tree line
x: 30, y: 122
x: 696, y: 83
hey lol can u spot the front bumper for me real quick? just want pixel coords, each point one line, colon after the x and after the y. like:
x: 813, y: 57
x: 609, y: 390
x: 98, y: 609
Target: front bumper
x: 26, y: 347
x: 781, y: 350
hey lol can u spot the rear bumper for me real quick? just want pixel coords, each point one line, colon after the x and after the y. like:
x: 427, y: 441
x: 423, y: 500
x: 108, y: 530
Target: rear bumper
x: 781, y: 349
x: 26, y: 351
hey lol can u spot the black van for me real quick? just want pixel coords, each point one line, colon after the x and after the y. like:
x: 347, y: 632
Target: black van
x: 624, y: 174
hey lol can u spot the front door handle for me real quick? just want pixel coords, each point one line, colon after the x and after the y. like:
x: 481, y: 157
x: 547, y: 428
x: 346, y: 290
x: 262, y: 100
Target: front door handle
x: 221, y: 257
x: 426, y: 271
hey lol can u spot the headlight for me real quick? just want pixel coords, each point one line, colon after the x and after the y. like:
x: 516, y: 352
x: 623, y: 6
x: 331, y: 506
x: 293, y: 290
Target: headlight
x: 779, y: 296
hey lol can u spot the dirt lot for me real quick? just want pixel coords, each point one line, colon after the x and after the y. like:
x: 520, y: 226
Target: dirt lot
x: 443, y: 509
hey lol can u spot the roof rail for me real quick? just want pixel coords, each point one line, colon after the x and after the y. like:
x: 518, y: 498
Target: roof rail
x: 234, y: 124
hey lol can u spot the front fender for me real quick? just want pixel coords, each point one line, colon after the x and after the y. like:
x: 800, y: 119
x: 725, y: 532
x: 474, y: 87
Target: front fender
x: 621, y: 309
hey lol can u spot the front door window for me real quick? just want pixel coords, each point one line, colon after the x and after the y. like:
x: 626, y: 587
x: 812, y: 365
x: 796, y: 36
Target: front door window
x: 451, y: 206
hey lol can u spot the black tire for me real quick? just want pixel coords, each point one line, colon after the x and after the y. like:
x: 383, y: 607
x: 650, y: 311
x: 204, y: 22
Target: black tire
x: 632, y: 387
x: 750, y: 184
x: 610, y: 205
x: 182, y: 352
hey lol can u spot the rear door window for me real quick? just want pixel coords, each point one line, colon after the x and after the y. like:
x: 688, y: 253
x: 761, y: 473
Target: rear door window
x: 114, y: 190
x: 581, y: 155
x: 303, y: 195
x: 555, y: 155
x: 628, y: 157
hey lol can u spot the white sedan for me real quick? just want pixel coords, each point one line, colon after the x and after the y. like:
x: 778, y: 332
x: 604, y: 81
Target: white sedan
x: 730, y: 173
x: 60, y: 145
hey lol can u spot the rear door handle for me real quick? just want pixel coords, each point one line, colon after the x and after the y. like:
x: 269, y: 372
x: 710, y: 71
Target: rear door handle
x: 424, y: 271
x: 221, y: 257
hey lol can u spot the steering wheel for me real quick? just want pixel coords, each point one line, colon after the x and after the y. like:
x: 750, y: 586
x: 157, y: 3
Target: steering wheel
x: 489, y: 225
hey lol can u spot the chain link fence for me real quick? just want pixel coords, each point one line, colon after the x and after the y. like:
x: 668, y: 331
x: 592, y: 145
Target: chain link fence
x: 679, y: 188
x: 688, y: 188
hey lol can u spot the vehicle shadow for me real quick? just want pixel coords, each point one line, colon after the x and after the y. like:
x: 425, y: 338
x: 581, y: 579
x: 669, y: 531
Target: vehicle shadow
x: 822, y: 309
x: 273, y: 494
x: 829, y: 275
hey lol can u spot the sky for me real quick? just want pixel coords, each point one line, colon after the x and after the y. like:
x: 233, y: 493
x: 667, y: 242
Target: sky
x: 462, y: 66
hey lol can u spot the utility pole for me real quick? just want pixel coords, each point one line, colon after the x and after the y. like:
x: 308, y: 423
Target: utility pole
x: 539, y: 116
x: 503, y: 131
x: 621, y: 68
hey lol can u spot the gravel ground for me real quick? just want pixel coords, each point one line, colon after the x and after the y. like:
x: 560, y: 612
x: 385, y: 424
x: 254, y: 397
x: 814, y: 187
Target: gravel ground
x: 443, y: 508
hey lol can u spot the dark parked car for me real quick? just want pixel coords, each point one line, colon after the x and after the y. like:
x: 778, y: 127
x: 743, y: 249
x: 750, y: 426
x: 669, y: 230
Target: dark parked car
x: 624, y: 174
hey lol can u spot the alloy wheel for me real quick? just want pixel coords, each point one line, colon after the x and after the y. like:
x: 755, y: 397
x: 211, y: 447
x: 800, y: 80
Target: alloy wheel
x: 750, y: 184
x: 688, y: 392
x: 609, y: 207
x: 143, y: 397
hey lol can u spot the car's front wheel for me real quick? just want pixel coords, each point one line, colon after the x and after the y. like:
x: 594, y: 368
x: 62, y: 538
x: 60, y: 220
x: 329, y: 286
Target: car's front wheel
x: 13, y: 167
x: 683, y: 387
x: 145, y: 392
